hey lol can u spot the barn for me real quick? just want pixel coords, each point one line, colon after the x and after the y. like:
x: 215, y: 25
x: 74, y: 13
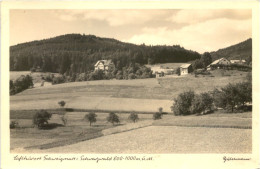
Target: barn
x: 221, y: 61
x: 185, y: 69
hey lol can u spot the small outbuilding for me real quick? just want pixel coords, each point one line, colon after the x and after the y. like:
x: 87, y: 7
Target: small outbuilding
x: 185, y: 69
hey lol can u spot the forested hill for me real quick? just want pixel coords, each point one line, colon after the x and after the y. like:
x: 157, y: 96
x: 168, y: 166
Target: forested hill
x: 242, y: 50
x: 75, y: 53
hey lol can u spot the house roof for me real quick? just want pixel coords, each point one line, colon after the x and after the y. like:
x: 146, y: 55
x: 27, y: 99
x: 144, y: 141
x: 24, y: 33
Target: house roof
x: 216, y: 61
x: 185, y: 65
x: 105, y: 62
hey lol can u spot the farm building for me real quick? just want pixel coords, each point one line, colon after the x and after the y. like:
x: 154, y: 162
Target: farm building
x: 185, y: 69
x: 104, y: 65
x: 221, y: 61
x: 238, y: 61
x: 159, y: 71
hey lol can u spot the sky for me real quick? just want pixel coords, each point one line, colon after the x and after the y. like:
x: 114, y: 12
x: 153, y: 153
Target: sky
x: 200, y: 30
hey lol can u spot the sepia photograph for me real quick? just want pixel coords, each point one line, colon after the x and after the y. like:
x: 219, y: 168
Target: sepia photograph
x: 130, y: 81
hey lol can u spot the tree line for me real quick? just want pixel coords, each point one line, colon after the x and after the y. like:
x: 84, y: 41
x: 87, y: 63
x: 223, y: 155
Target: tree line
x: 74, y: 54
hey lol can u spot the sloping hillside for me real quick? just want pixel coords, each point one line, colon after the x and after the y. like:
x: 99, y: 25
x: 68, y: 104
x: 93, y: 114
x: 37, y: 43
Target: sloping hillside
x: 78, y: 53
x: 242, y: 50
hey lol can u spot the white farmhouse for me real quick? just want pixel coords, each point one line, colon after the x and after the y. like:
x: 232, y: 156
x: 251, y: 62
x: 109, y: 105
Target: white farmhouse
x: 185, y: 69
x: 104, y: 65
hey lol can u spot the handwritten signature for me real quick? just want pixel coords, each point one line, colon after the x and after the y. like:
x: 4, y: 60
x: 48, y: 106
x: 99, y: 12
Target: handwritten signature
x: 234, y: 158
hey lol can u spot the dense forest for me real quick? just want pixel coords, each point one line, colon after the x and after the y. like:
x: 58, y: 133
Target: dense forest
x: 242, y: 50
x: 74, y: 54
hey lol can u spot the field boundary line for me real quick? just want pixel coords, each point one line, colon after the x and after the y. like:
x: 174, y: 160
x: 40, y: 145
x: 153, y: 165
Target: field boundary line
x: 206, y: 126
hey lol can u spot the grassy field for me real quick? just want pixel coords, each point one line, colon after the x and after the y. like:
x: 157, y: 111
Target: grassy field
x: 133, y: 95
x: 57, y: 134
x: 139, y: 95
x: 78, y: 130
x: 165, y: 139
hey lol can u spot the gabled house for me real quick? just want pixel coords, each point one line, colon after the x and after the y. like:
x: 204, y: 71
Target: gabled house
x: 185, y: 69
x: 104, y: 65
x: 221, y: 61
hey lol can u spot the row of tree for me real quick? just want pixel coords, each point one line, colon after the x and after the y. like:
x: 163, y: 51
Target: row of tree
x: 231, y: 97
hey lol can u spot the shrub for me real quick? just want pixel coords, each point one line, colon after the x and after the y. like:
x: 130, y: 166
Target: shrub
x: 133, y: 116
x: 202, y: 103
x: 58, y: 80
x: 14, y: 124
x: 131, y: 76
x: 157, y: 116
x: 113, y: 118
x: 62, y: 103
x: 233, y: 96
x: 182, y: 104
x: 40, y: 118
x: 20, y: 84
x: 119, y: 75
x: 49, y: 77
x: 91, y: 118
x: 81, y: 77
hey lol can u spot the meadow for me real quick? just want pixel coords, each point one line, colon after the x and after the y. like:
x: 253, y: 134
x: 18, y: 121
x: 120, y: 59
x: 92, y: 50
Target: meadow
x: 143, y: 96
x: 133, y: 95
x: 60, y: 138
x: 212, y: 133
x: 57, y: 134
x: 165, y: 139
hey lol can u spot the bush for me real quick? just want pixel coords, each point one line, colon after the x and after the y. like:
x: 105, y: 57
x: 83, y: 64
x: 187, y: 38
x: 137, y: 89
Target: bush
x: 131, y: 76
x: 113, y: 118
x: 233, y: 96
x: 20, y: 84
x: 14, y: 124
x: 157, y: 116
x: 182, y: 104
x: 202, y: 103
x: 133, y: 116
x: 58, y: 80
x: 91, y: 118
x: 40, y: 118
x: 62, y: 103
x: 49, y: 77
